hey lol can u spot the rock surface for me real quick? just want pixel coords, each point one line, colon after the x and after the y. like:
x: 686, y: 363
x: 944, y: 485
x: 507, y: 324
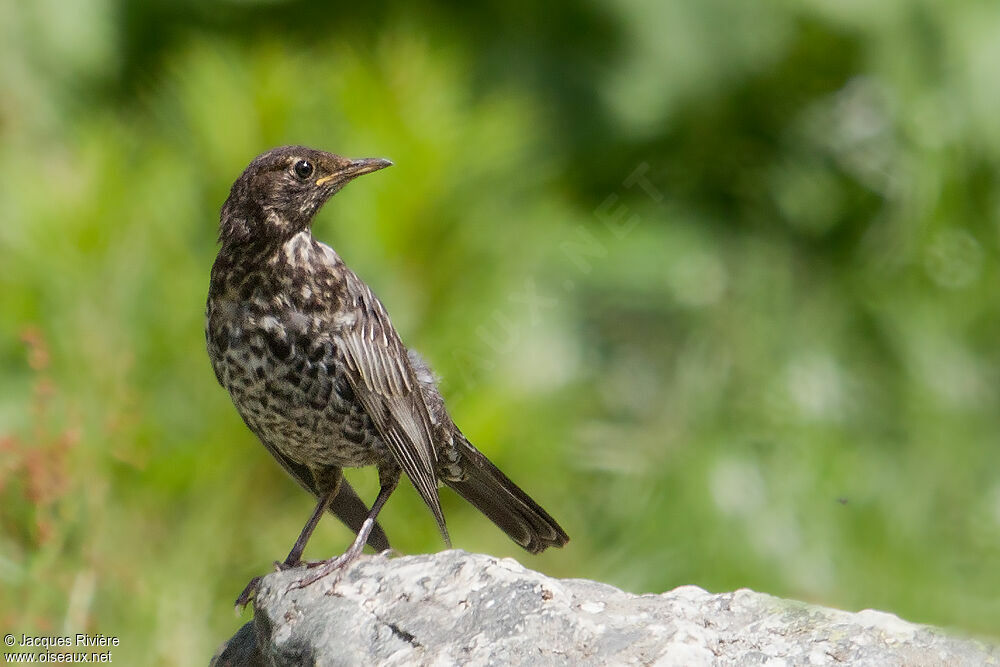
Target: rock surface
x: 456, y: 608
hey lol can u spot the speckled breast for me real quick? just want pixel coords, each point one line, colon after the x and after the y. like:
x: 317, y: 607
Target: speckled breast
x: 281, y: 370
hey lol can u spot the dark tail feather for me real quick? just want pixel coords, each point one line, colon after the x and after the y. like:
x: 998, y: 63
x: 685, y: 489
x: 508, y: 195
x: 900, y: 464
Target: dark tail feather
x: 505, y: 503
x: 350, y: 509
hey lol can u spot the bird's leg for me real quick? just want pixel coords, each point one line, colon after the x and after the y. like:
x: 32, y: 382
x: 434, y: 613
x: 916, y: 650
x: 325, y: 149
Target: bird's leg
x: 300, y: 544
x: 388, y: 479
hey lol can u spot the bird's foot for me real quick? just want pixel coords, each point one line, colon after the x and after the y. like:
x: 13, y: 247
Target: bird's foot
x: 244, y: 598
x: 326, y: 567
x: 319, y: 569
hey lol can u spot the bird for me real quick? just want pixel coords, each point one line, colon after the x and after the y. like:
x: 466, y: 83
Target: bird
x: 319, y: 374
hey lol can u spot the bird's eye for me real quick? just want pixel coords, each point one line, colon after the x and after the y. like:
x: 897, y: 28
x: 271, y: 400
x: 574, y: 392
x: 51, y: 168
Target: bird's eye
x: 303, y: 169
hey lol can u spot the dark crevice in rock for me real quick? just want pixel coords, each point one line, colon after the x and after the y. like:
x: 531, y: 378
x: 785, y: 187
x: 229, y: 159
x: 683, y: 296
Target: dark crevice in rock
x: 403, y: 634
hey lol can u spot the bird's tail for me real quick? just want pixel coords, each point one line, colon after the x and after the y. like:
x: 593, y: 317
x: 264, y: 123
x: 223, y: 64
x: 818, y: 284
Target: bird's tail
x: 504, y: 502
x: 350, y: 509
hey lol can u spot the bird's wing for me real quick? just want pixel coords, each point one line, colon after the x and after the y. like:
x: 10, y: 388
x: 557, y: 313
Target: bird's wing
x: 383, y: 381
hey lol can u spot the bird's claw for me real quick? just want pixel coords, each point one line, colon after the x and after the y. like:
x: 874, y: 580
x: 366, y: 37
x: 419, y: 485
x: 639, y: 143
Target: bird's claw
x: 244, y: 599
x: 323, y: 568
x: 279, y: 566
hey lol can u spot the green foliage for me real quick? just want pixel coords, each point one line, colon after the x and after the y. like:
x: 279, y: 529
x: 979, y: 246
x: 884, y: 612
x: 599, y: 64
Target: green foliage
x: 715, y: 284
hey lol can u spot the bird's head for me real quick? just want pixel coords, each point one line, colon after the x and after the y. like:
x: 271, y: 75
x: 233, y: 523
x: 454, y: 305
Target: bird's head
x: 277, y: 195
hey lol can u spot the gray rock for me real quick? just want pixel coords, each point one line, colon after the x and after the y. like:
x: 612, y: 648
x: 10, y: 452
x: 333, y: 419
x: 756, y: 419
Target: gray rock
x: 457, y: 608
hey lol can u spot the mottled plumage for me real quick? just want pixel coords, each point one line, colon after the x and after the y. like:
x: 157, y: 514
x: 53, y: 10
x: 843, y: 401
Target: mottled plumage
x: 319, y: 374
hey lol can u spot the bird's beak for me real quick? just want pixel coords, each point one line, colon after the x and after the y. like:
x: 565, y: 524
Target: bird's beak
x: 355, y: 168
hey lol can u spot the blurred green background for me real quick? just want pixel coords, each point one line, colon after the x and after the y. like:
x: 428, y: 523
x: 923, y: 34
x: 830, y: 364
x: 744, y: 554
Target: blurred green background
x: 714, y: 281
